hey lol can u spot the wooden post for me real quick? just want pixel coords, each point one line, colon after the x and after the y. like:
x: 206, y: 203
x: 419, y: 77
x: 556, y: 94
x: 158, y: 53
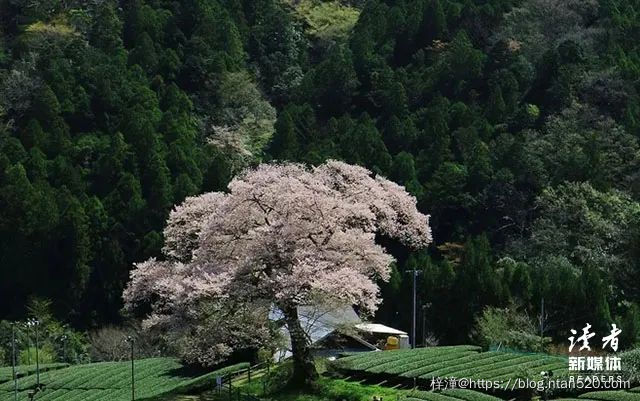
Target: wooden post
x: 13, y: 361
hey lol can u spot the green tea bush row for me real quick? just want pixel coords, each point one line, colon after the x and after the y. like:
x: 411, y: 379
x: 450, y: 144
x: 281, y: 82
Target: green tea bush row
x: 446, y: 368
x: 451, y: 395
x: 611, y: 396
x: 469, y: 395
x: 6, y: 373
x: 559, y: 369
x: 540, y: 365
x: 371, y: 359
x: 351, y: 362
x: 502, y: 367
x: 490, y: 358
x: 445, y: 360
x: 460, y: 362
x: 419, y: 360
x: 112, y: 380
x: 429, y: 396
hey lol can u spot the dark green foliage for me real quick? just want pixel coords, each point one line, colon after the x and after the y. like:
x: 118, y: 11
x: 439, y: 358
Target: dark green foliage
x: 515, y: 128
x: 101, y: 135
x: 434, y: 21
x: 476, y: 284
x: 332, y: 83
x: 484, y: 110
x: 59, y: 342
x: 284, y: 145
x: 106, y: 28
x: 630, y: 326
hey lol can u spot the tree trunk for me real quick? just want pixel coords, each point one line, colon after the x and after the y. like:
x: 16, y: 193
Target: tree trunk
x: 304, y: 370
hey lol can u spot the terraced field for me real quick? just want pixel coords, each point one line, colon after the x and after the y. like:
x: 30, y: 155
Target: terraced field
x: 611, y: 396
x: 111, y: 381
x: 6, y: 373
x: 450, y: 395
x: 456, y: 361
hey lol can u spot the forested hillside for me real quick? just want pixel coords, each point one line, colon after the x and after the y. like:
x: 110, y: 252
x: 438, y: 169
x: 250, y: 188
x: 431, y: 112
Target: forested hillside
x: 515, y: 124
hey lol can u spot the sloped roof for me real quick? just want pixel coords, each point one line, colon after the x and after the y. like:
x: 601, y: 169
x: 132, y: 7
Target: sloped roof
x: 317, y: 322
x: 378, y: 328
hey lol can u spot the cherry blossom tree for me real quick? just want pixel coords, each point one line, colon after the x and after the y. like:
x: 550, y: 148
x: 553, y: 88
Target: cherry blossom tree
x: 284, y: 234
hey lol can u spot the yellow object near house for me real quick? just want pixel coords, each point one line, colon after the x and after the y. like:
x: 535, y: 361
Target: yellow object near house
x: 392, y: 343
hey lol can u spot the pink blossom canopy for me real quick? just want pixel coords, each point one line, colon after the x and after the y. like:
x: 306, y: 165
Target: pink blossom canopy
x: 283, y: 233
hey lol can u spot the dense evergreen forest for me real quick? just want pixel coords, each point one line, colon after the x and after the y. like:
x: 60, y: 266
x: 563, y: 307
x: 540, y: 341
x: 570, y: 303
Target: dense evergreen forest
x: 515, y: 123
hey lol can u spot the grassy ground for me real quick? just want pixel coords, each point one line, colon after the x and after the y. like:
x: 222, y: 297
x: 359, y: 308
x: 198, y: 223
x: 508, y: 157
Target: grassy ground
x: 328, y: 389
x: 271, y: 387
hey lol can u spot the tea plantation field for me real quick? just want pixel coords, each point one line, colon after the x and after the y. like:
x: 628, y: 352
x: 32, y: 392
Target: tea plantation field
x: 6, y: 373
x: 449, y: 395
x: 611, y: 396
x: 111, y: 381
x: 455, y: 361
x: 469, y: 395
x: 630, y: 395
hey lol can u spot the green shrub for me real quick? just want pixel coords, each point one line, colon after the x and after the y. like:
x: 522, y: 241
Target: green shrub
x: 328, y: 20
x: 630, y: 362
x: 508, y: 328
x: 46, y: 355
x: 278, y: 377
x: 338, y: 390
x: 58, y: 340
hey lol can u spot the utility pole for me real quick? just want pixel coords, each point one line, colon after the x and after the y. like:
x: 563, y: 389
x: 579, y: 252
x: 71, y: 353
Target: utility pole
x: 129, y: 339
x: 542, y: 317
x: 13, y: 361
x: 424, y: 324
x: 542, y: 321
x: 28, y: 327
x: 35, y: 323
x: 414, y: 273
x: 63, y: 339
